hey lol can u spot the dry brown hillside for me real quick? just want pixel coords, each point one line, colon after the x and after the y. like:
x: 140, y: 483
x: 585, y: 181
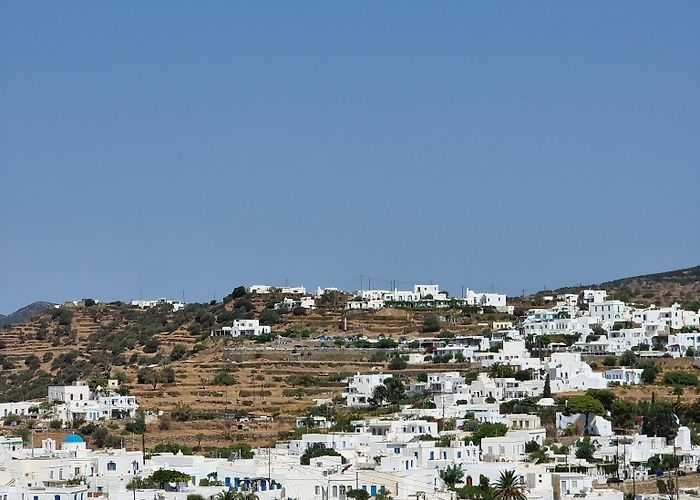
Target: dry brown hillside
x: 206, y: 381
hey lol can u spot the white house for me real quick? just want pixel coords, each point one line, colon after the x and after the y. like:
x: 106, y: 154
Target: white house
x: 679, y: 343
x: 624, y: 375
x: 360, y: 388
x: 484, y: 299
x: 591, y: 296
x: 79, y: 402
x: 242, y: 328
x: 147, y: 304
x: 568, y: 372
x: 609, y: 311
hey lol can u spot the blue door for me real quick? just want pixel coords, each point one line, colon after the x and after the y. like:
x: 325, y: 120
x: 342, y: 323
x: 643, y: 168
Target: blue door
x: 373, y: 490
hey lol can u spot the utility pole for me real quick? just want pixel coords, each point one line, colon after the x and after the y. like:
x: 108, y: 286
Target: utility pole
x: 361, y: 282
x: 143, y: 448
x: 357, y: 480
x: 674, y: 457
x: 269, y: 466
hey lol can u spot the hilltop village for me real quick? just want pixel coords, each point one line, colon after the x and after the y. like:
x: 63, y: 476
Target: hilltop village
x: 276, y: 393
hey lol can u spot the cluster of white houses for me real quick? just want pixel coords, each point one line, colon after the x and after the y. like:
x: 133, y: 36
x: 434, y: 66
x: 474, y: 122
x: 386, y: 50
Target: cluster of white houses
x: 402, y: 454
x: 607, y: 326
x: 76, y: 402
x: 428, y: 294
x: 566, y: 372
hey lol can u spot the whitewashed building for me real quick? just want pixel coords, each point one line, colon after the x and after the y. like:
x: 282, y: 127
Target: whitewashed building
x: 360, y: 388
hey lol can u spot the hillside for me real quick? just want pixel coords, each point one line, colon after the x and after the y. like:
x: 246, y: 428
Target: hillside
x: 661, y: 289
x: 170, y: 362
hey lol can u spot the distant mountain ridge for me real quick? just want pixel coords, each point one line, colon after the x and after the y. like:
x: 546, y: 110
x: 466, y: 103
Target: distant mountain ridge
x: 25, y: 313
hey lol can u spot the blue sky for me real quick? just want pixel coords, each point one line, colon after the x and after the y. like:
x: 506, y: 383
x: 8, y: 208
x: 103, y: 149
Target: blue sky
x: 169, y: 146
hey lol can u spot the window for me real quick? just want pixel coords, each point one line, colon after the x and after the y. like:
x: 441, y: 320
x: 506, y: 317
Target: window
x: 111, y: 466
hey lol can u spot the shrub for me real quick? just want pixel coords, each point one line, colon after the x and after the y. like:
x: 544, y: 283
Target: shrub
x: 628, y: 358
x: 431, y: 324
x: 164, y: 423
x: 182, y: 412
x: 241, y: 450
x: 680, y: 378
x: 649, y: 373
x: 487, y: 430
x: 151, y: 346
x: 609, y: 361
x: 398, y: 363
x: 386, y: 343
x: 224, y: 378
x: 32, y: 362
x: 318, y: 450
x: 178, y: 352
x: 269, y: 317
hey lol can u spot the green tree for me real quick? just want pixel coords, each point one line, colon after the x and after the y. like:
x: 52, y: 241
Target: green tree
x: 318, y: 450
x: 609, y: 361
x: 659, y: 419
x: 32, y: 362
x: 451, y: 475
x: 398, y: 362
x: 487, y: 429
x: 238, y: 450
x: 138, y: 425
x: 235, y: 495
x: 269, y: 317
x: 628, y: 358
x: 585, y: 448
x: 585, y: 405
x: 532, y: 446
x: 380, y: 395
x: 499, y: 370
x: 384, y: 495
x: 165, y: 476
x: 224, y: 377
x: 649, y: 372
x: 178, y: 352
x: 396, y: 389
x: 431, y: 323
x: 547, y: 392
x: 605, y: 396
x: 623, y: 414
x: 357, y: 494
x: 509, y: 487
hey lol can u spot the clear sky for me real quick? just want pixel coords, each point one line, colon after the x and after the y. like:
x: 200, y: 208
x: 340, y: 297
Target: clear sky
x: 168, y: 146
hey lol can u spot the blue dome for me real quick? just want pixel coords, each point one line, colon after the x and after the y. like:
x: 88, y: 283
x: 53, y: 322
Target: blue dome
x: 73, y: 438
